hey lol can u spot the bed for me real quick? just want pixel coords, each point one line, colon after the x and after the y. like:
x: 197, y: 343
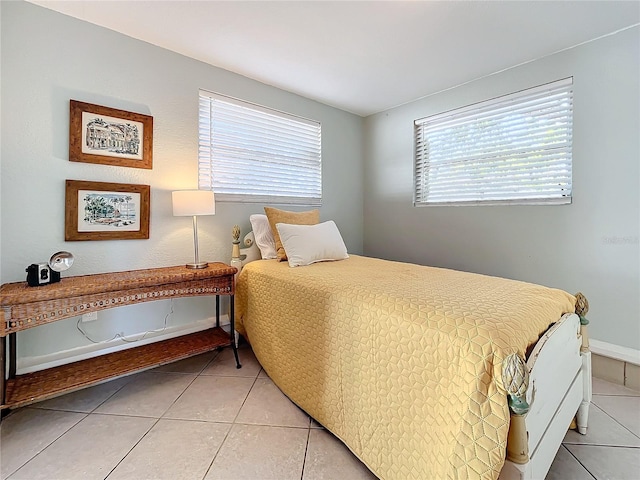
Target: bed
x: 422, y: 372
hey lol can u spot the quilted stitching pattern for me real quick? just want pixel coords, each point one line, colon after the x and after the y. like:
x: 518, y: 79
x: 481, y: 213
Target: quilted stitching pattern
x: 401, y: 362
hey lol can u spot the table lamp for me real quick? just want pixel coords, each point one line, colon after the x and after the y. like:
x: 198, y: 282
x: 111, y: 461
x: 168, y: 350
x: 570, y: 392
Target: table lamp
x: 192, y: 203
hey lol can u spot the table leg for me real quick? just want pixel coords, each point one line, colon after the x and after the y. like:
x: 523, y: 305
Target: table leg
x: 232, y: 332
x: 217, y: 310
x: 3, y: 369
x: 12, y: 355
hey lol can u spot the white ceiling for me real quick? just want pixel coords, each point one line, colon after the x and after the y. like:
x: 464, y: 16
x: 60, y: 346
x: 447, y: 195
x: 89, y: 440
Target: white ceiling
x: 360, y: 56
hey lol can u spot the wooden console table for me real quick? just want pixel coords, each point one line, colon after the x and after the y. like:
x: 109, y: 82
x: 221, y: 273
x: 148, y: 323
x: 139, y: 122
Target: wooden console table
x: 24, y: 307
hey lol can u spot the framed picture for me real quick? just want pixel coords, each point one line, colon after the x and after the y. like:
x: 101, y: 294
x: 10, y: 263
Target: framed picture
x: 109, y: 136
x: 106, y: 211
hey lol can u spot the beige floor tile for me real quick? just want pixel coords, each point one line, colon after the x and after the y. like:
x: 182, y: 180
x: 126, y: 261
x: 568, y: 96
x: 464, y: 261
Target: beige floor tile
x: 253, y: 452
x: 602, y: 430
x: 225, y: 364
x: 602, y: 387
x: 189, y: 365
x: 327, y: 457
x: 625, y: 410
x: 565, y: 467
x: 89, y: 450
x: 87, y: 399
x: 267, y: 405
x: 184, y: 442
x: 173, y: 450
x: 28, y: 431
x: 608, y: 463
x: 147, y: 394
x: 212, y: 398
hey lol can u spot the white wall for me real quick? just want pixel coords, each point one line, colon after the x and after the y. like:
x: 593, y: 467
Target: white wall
x: 589, y: 246
x: 48, y: 59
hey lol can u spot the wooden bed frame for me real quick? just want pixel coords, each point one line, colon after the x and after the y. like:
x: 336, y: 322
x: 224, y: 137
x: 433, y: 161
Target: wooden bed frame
x: 553, y: 391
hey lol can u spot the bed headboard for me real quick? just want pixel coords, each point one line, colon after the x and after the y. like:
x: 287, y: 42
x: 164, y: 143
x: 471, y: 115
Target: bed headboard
x: 250, y: 251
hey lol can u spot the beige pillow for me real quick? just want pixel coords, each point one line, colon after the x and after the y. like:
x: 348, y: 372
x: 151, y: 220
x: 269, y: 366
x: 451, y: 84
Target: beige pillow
x: 307, y: 244
x: 312, y: 217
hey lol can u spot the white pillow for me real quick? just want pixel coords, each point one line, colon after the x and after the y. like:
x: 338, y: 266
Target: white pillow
x: 263, y: 235
x: 307, y: 244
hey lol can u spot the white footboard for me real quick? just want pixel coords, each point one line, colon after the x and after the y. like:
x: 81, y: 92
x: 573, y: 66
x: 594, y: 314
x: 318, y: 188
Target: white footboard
x: 559, y: 386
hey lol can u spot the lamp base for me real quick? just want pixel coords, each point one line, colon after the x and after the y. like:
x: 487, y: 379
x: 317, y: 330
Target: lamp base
x: 197, y: 265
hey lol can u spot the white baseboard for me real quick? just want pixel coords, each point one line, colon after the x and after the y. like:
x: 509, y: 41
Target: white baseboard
x: 32, y: 364
x: 617, y: 352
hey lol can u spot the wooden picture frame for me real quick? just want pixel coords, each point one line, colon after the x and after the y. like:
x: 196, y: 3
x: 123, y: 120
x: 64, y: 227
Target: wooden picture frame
x: 106, y: 211
x: 109, y: 136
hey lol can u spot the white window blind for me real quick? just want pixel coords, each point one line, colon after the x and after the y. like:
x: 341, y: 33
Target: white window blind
x: 512, y: 149
x: 249, y: 153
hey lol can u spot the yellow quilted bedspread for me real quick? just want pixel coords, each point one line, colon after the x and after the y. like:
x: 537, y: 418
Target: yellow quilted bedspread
x: 401, y: 362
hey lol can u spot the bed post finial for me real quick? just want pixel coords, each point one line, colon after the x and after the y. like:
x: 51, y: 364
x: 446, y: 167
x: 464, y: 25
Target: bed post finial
x: 236, y: 259
x: 515, y: 377
x: 582, y: 308
x: 582, y: 416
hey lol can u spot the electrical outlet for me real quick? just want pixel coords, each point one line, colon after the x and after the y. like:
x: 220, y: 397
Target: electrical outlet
x: 89, y: 317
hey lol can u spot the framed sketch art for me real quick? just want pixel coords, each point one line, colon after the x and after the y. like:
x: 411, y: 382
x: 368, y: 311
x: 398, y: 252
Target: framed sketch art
x: 106, y: 211
x: 108, y: 136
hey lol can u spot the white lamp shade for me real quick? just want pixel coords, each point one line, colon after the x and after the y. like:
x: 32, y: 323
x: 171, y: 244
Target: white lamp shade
x: 187, y: 203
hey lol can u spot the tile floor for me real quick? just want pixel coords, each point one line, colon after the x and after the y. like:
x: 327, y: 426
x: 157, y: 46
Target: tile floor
x: 201, y: 418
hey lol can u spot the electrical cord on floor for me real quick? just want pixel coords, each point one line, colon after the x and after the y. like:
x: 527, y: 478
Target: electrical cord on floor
x: 123, y: 337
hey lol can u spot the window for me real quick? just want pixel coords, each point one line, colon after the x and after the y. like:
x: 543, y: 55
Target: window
x: 512, y: 149
x: 249, y: 153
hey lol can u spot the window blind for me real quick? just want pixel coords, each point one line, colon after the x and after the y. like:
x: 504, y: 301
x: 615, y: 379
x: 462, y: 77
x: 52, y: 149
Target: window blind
x: 512, y: 149
x: 249, y: 153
